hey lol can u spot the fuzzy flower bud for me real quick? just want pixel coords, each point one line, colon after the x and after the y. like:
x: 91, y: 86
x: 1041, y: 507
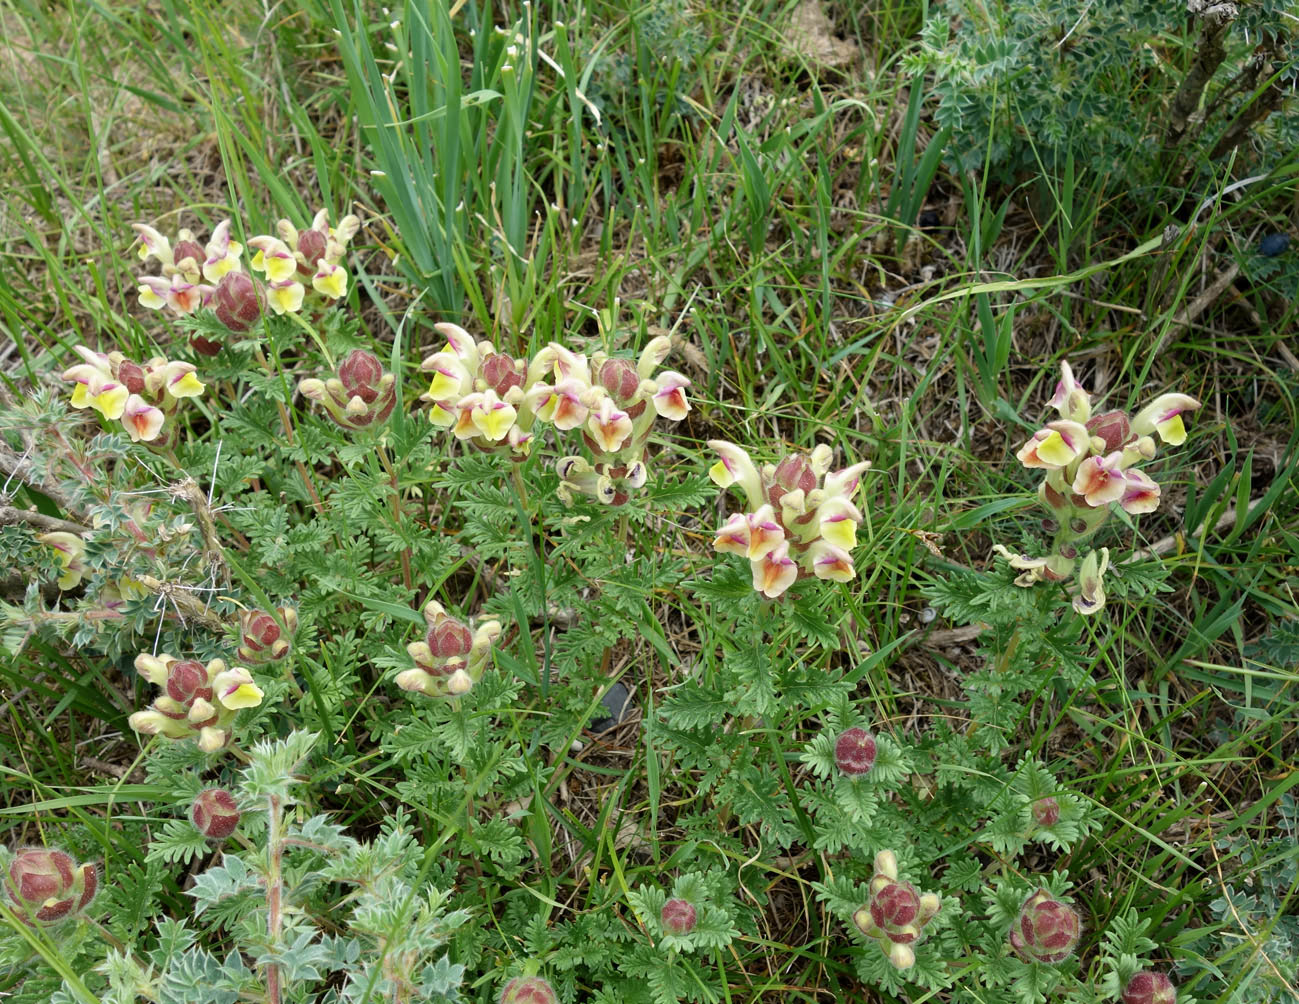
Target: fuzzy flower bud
x: 1046, y: 811
x: 528, y: 990
x: 678, y: 917
x: 198, y: 701
x: 451, y: 658
x: 214, y: 813
x: 854, y: 752
x: 47, y: 885
x: 261, y: 638
x: 897, y: 912
x: 1046, y: 930
x: 360, y: 396
x: 237, y: 301
x: 1148, y: 987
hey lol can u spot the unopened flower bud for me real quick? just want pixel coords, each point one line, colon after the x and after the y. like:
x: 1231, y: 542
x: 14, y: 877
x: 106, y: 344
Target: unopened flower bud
x: 1046, y: 811
x: 1046, y: 930
x: 794, y: 473
x: 214, y: 813
x: 187, y: 681
x: 188, y: 249
x: 311, y: 245
x: 131, y: 376
x: 1149, y: 987
x: 618, y: 376
x: 501, y: 373
x: 237, y: 301
x: 678, y: 917
x: 1112, y: 428
x: 854, y: 752
x: 261, y: 638
x: 528, y: 990
x: 359, y: 373
x: 449, y: 638
x: 459, y: 683
x: 47, y: 885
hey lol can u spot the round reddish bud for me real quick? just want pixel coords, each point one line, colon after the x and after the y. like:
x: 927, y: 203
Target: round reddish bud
x: 854, y: 752
x: 131, y: 376
x: 1046, y: 811
x: 895, y: 909
x: 528, y: 990
x: 261, y: 637
x: 449, y: 638
x: 1046, y: 930
x: 1113, y: 427
x: 501, y: 372
x: 791, y: 474
x: 44, y: 883
x: 678, y: 917
x: 204, y: 346
x: 618, y: 376
x: 237, y: 302
x: 312, y: 245
x: 214, y: 813
x: 187, y: 681
x: 359, y: 373
x: 188, y: 249
x: 1148, y: 987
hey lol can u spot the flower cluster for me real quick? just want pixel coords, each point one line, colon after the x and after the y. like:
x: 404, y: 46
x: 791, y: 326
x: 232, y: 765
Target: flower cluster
x: 261, y: 638
x: 1090, y: 464
x: 48, y: 885
x: 361, y: 396
x: 897, y: 913
x: 295, y: 256
x: 1046, y: 930
x: 142, y: 397
x: 212, y: 275
x: 800, y: 518
x: 493, y: 401
x: 198, y: 700
x: 451, y: 658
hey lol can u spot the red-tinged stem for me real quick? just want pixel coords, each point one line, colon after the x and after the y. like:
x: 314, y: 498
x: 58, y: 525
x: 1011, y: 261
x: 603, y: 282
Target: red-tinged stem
x: 274, y: 894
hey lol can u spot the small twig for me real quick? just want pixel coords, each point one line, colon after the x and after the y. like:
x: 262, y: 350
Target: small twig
x: 185, y: 604
x: 9, y: 516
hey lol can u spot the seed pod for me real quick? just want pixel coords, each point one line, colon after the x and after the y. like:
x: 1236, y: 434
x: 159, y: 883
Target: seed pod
x: 678, y: 916
x: 1046, y: 930
x: 854, y: 752
x: 214, y: 813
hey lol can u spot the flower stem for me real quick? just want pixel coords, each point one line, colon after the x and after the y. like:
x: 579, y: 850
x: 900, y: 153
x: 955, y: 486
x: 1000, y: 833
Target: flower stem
x: 274, y: 894
x: 386, y: 462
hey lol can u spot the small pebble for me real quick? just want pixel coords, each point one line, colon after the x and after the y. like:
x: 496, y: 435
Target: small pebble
x: 618, y: 703
x: 1273, y: 245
